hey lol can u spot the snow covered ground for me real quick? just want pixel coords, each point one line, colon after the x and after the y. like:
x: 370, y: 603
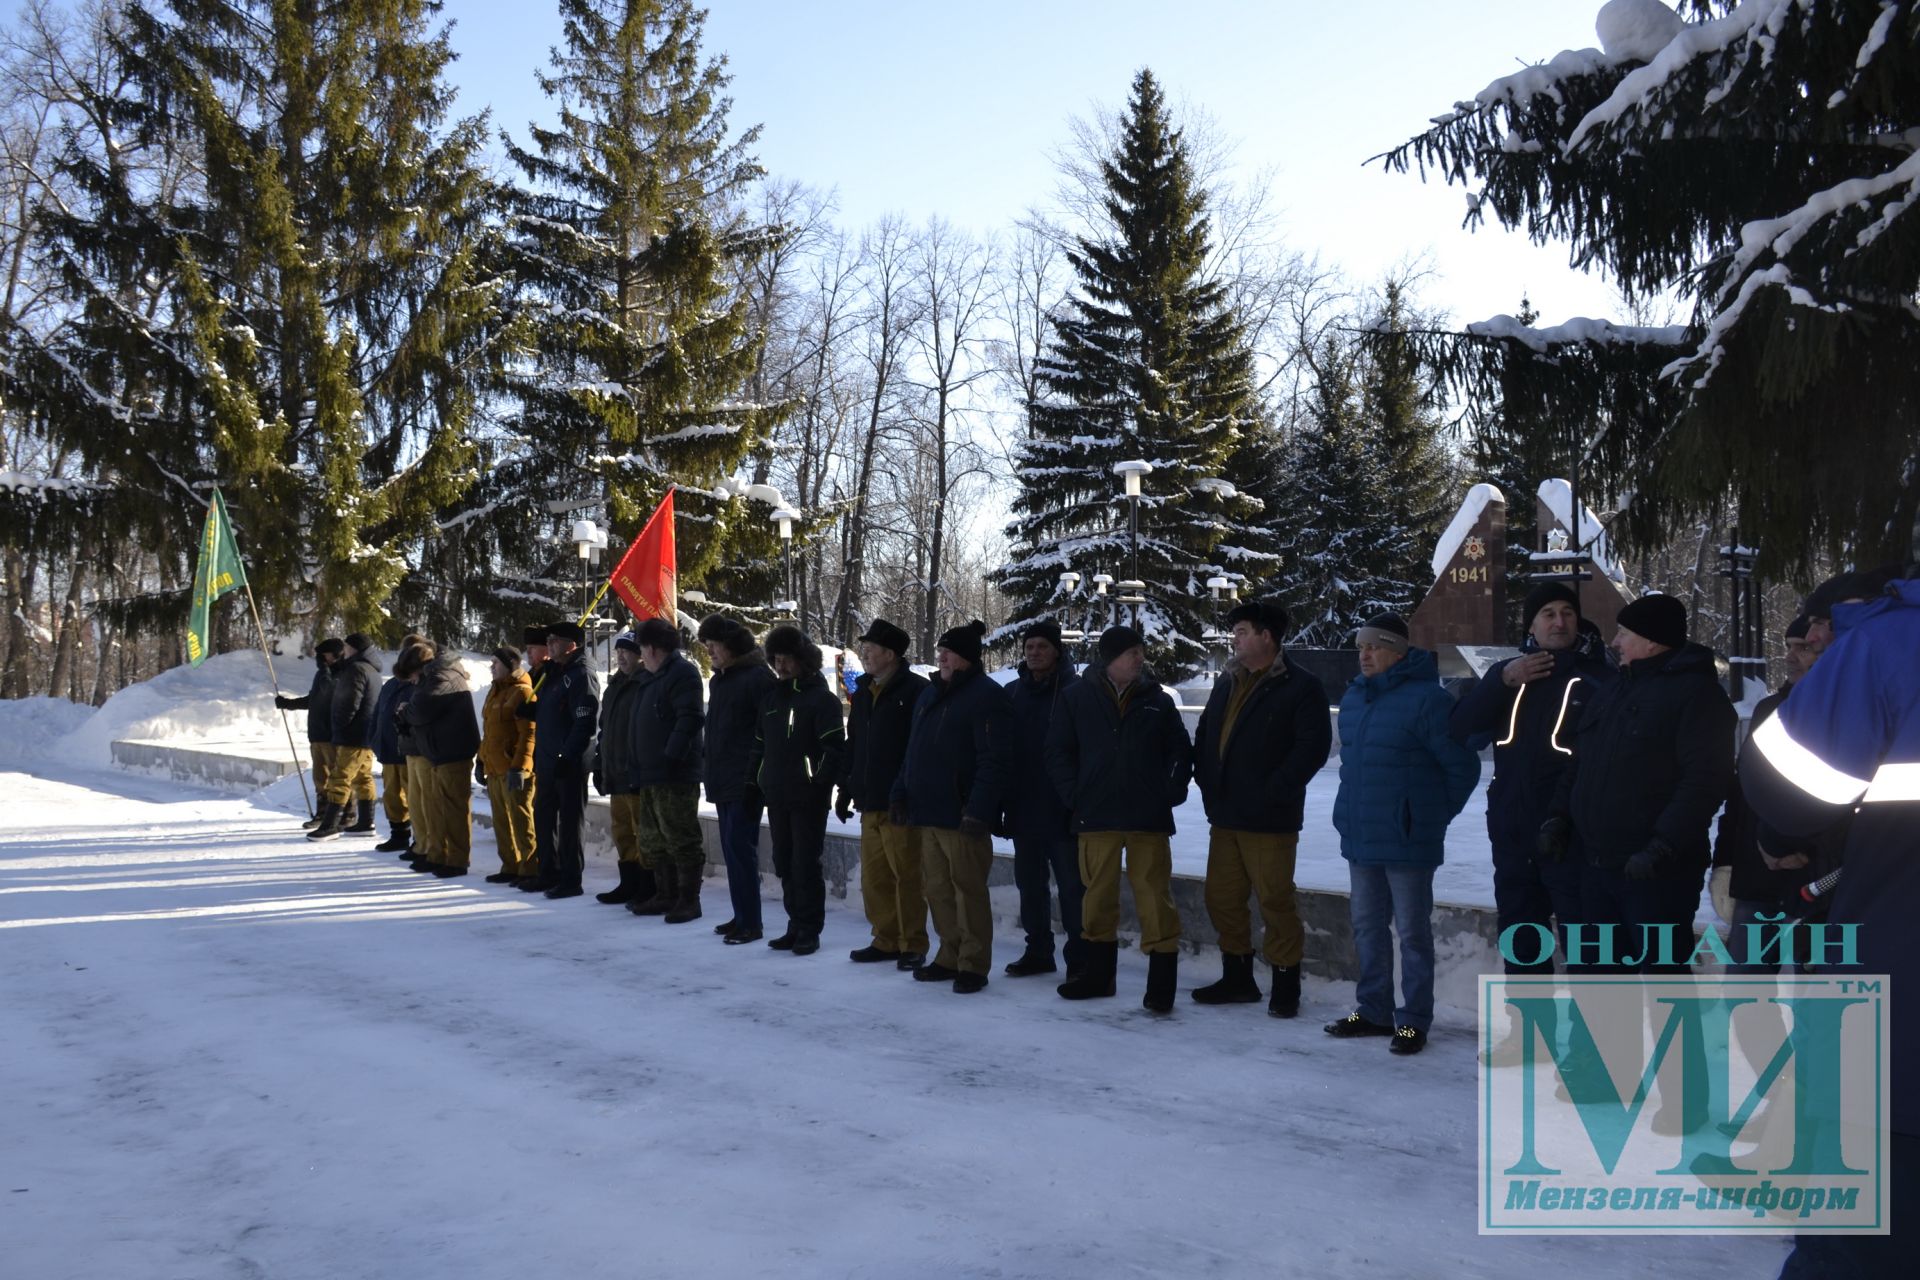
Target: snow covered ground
x: 229, y: 1052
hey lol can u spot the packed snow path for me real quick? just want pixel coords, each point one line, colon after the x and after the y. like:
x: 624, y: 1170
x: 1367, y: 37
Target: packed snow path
x: 229, y: 1052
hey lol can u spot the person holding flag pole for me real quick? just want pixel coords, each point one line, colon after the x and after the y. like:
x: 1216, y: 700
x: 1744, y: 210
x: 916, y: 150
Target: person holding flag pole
x: 217, y: 571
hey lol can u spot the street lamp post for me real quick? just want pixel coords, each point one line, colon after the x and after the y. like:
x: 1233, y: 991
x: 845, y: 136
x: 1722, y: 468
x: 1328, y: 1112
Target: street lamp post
x: 783, y: 517
x: 1131, y: 473
x: 587, y: 538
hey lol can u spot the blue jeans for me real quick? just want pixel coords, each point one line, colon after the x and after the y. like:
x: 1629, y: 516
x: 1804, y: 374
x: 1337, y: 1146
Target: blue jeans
x: 740, y: 848
x: 1400, y: 893
x: 1034, y: 859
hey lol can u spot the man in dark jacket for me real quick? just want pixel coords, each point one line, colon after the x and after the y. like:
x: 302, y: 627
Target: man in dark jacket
x: 1120, y: 758
x: 795, y: 758
x: 1403, y: 778
x: 952, y: 786
x: 1036, y: 817
x: 563, y: 712
x: 317, y: 702
x: 615, y: 777
x: 664, y: 748
x: 1653, y: 759
x: 447, y: 732
x: 350, y: 715
x: 1527, y: 707
x: 1264, y: 734
x: 879, y: 719
x: 741, y: 682
x: 383, y: 737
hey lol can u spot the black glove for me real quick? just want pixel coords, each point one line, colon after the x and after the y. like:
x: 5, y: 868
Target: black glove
x: 480, y: 773
x: 282, y: 702
x: 1645, y: 865
x: 516, y: 780
x: 1556, y: 835
x: 974, y: 828
x: 843, y: 807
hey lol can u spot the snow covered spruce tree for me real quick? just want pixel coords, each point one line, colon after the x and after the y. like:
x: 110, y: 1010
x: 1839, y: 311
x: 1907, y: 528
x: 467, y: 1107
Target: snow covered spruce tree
x: 1762, y: 161
x: 275, y: 281
x: 628, y: 247
x: 1147, y: 362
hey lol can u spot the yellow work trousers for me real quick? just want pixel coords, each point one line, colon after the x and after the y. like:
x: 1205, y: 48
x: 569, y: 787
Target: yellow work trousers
x: 1149, y: 866
x: 419, y: 781
x: 627, y: 844
x: 449, y: 794
x: 954, y: 868
x: 890, y: 884
x: 1257, y: 864
x: 393, y: 792
x: 513, y: 825
x: 350, y: 777
x: 322, y: 768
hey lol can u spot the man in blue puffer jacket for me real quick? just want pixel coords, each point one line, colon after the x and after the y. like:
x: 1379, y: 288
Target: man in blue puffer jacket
x: 1403, y: 777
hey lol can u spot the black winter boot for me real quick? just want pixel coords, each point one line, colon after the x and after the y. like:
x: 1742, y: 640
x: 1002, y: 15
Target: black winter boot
x: 1285, y: 1000
x: 1236, y: 985
x: 333, y: 819
x: 1163, y: 972
x: 661, y: 900
x: 622, y: 892
x: 363, y: 825
x: 1032, y: 961
x: 401, y: 837
x: 686, y: 899
x: 1095, y: 981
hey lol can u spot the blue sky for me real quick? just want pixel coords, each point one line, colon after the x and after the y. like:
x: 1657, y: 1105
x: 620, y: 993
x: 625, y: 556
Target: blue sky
x: 922, y: 108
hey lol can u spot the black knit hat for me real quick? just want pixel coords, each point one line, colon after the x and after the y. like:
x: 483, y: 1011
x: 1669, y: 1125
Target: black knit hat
x: 787, y: 641
x: 509, y: 657
x: 887, y: 636
x: 1266, y: 615
x: 730, y: 632
x: 659, y: 633
x: 567, y: 631
x: 1798, y: 628
x: 1544, y: 594
x: 1661, y: 619
x: 1115, y: 641
x: 1859, y: 584
x: 332, y: 644
x: 533, y: 635
x: 1043, y: 629
x: 360, y: 642
x: 965, y: 640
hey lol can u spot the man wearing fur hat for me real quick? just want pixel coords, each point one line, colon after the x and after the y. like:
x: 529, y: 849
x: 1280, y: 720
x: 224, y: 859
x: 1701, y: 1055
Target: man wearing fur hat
x: 879, y: 720
x: 1036, y: 817
x: 952, y: 785
x: 614, y: 776
x: 1264, y: 734
x: 448, y: 735
x: 317, y: 702
x: 565, y: 706
x: 351, y: 695
x: 664, y: 748
x: 1526, y: 707
x: 741, y: 682
x: 1120, y: 758
x: 795, y: 759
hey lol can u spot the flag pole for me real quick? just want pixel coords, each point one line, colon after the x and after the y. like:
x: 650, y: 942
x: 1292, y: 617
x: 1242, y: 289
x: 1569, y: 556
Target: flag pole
x: 284, y: 722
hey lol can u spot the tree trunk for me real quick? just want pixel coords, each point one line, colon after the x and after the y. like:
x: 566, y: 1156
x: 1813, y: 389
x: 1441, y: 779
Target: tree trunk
x: 61, y: 682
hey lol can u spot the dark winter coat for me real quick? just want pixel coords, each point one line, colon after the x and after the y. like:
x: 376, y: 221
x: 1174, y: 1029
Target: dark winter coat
x: 877, y: 733
x: 1531, y: 730
x: 734, y: 696
x: 1034, y: 809
x: 445, y: 728
x: 1403, y: 776
x: 1652, y: 756
x: 618, y: 706
x: 383, y: 730
x: 563, y: 711
x: 798, y: 745
x: 317, y: 702
x: 353, y: 698
x: 1736, y: 843
x: 1281, y: 737
x: 959, y: 753
x: 666, y: 736
x: 1119, y: 771
x: 404, y: 739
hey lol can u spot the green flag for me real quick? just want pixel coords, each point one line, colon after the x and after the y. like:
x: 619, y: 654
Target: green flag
x: 219, y: 571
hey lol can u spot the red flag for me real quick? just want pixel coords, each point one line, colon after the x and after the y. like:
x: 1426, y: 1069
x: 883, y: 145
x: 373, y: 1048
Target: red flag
x: 646, y: 576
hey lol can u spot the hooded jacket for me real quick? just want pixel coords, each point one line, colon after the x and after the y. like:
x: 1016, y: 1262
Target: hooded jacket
x: 506, y: 745
x: 1653, y: 756
x: 878, y: 726
x: 734, y: 696
x: 1279, y: 739
x: 1034, y: 809
x: 959, y: 753
x: 799, y: 739
x: 665, y: 743
x: 1119, y: 768
x: 1403, y: 776
x: 441, y: 712
x: 352, y: 699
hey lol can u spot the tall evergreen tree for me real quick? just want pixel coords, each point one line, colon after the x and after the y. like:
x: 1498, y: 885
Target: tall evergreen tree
x: 1147, y: 362
x: 304, y: 320
x: 629, y: 246
x: 1759, y: 160
x: 1399, y: 402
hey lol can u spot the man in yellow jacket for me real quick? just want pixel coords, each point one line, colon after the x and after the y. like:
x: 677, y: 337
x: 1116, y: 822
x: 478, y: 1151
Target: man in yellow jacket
x: 505, y: 766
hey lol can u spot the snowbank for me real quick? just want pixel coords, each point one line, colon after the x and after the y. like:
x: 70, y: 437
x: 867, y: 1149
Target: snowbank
x: 27, y: 725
